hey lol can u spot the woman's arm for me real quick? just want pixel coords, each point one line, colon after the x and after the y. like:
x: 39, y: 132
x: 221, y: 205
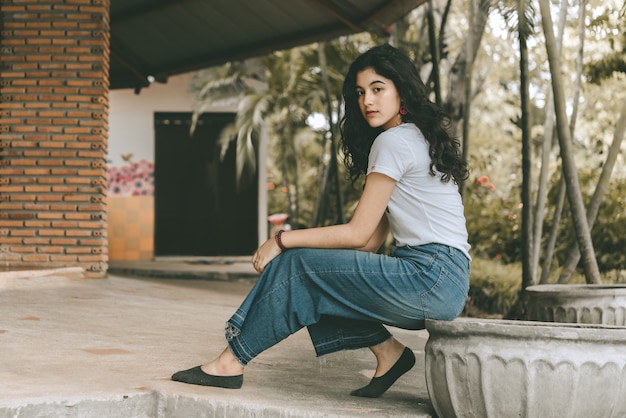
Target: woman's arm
x: 379, y: 236
x: 358, y: 232
x: 363, y: 231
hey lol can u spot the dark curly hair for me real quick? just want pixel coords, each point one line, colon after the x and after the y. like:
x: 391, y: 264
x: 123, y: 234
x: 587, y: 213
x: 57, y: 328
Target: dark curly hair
x: 357, y: 136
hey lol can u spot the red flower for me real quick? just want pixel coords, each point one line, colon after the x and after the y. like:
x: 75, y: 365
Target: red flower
x: 483, y: 181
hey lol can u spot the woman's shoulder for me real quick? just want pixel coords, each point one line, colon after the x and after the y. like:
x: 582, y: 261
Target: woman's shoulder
x: 405, y: 131
x: 402, y: 136
x: 404, y: 141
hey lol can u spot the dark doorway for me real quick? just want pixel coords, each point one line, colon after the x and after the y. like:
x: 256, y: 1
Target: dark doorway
x: 199, y: 211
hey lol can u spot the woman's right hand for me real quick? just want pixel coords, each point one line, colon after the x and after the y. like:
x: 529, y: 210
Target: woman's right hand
x: 264, y: 254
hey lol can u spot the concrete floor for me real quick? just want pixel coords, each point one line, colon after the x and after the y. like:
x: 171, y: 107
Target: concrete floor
x: 76, y: 347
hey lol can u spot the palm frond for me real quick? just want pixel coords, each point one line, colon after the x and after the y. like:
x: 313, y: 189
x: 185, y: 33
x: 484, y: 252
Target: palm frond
x: 224, y: 88
x: 226, y: 136
x: 527, y: 18
x: 520, y: 16
x: 246, y: 157
x: 250, y: 116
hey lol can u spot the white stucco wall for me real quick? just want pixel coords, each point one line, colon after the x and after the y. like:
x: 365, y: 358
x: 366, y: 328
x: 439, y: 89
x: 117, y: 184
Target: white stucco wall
x: 131, y: 127
x: 131, y: 116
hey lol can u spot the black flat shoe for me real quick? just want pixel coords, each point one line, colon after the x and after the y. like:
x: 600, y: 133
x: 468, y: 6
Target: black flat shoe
x: 379, y: 385
x: 195, y: 376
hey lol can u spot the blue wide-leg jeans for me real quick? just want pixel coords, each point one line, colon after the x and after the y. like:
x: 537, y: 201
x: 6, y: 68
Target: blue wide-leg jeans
x: 345, y: 297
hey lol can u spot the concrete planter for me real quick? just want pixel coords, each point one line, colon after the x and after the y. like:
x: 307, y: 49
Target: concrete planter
x: 581, y: 304
x: 498, y: 369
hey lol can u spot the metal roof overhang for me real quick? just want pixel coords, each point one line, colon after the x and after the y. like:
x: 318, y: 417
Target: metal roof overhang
x: 160, y: 38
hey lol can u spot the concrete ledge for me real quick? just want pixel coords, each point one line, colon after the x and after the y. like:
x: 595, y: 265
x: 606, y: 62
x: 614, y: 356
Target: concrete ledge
x: 220, y: 270
x: 156, y: 404
x: 139, y: 405
x: 77, y: 347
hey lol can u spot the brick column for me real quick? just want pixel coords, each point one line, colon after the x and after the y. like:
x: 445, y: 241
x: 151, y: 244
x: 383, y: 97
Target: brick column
x: 54, y: 63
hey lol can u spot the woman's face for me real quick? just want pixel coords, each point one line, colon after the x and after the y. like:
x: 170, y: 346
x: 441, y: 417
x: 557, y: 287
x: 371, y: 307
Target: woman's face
x: 378, y: 99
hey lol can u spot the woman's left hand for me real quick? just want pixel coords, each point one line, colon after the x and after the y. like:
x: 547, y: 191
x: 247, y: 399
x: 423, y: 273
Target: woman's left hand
x: 264, y: 254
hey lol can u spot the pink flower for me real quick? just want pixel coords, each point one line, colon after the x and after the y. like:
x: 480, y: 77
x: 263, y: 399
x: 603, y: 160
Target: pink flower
x: 483, y: 181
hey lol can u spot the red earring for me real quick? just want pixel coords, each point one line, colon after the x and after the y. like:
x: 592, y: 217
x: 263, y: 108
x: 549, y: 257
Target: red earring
x: 403, y: 110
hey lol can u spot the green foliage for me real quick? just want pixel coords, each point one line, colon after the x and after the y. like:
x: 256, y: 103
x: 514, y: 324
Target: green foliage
x: 493, y: 223
x: 292, y: 81
x: 613, y: 30
x: 609, y: 231
x: 494, y: 286
x: 605, y: 67
x: 298, y: 155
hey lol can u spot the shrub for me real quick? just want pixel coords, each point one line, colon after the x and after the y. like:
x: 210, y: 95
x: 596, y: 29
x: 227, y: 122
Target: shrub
x: 494, y: 287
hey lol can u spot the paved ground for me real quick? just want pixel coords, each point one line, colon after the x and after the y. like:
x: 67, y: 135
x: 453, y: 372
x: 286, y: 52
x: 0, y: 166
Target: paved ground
x: 76, y: 347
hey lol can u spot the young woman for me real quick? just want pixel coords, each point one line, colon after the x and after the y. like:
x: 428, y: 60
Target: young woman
x: 330, y: 279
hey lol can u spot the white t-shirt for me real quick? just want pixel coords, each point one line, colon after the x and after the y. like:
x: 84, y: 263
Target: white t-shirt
x: 422, y: 209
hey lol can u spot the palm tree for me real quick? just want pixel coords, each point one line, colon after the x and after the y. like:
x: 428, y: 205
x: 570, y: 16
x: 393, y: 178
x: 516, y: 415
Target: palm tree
x: 294, y: 84
x: 581, y: 226
x: 232, y: 83
x: 520, y: 18
x: 274, y: 103
x: 524, y: 30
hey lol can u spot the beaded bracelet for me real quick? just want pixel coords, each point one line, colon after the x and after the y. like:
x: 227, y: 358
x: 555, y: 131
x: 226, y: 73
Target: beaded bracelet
x: 279, y: 241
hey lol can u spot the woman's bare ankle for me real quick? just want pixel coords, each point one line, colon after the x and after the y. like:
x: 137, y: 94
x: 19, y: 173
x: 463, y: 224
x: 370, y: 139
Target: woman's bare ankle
x: 387, y: 353
x: 226, y: 364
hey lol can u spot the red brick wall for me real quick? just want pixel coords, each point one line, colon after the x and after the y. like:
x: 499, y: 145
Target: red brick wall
x: 54, y: 57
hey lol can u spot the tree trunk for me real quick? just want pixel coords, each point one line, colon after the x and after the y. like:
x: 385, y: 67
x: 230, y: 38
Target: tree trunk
x: 598, y: 195
x: 455, y: 101
x: 294, y: 191
x: 546, y: 147
x: 579, y: 65
x: 324, y: 173
x: 322, y: 195
x: 284, y: 169
x: 554, y: 231
x: 574, y: 194
x: 459, y: 93
x: 550, y: 244
x: 340, y: 218
x: 542, y: 190
x: 330, y: 172
x: 528, y: 277
x: 442, y: 28
x: 467, y: 84
x: 434, y: 51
